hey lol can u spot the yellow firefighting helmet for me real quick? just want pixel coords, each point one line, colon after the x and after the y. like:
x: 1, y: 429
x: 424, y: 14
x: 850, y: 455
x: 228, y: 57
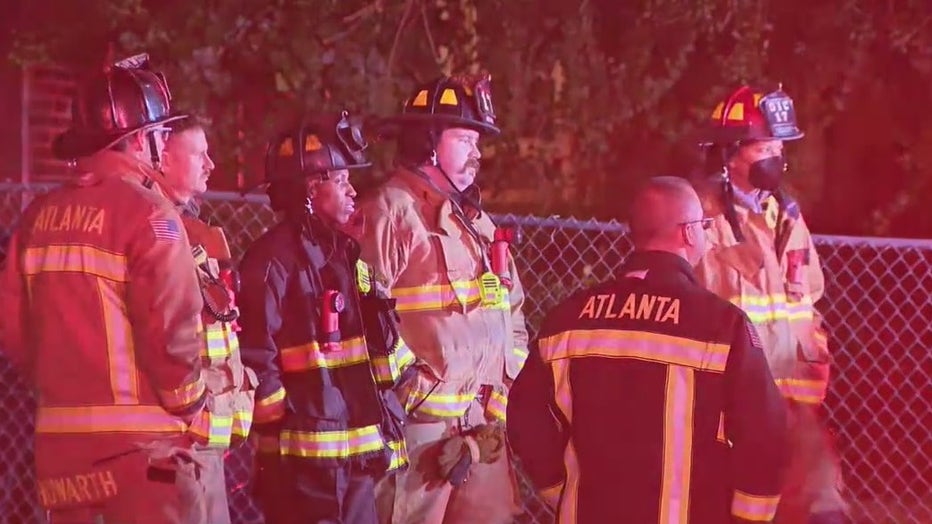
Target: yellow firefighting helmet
x: 457, y: 101
x: 749, y: 114
x: 127, y: 97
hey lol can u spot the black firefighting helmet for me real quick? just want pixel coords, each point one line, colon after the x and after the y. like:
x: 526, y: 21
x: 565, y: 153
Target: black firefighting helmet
x: 128, y: 97
x: 748, y: 114
x: 457, y: 101
x: 319, y: 144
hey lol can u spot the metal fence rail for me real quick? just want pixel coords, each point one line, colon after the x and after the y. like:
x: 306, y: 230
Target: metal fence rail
x: 877, y: 306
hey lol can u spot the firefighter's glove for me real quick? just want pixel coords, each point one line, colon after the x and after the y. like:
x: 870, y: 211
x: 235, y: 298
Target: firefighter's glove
x: 456, y: 455
x: 483, y: 443
x: 491, y: 441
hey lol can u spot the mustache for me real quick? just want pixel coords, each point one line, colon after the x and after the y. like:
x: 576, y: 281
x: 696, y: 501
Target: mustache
x: 472, y: 162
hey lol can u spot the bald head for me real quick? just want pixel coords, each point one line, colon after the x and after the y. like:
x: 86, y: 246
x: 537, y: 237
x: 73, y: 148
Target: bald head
x: 666, y: 215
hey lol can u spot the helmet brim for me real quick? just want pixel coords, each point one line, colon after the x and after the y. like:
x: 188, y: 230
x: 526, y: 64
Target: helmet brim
x: 77, y: 143
x: 263, y: 185
x: 735, y: 134
x: 392, y: 126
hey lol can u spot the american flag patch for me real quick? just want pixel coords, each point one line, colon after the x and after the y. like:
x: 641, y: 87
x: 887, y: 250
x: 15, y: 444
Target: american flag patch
x: 754, y: 336
x: 165, y: 229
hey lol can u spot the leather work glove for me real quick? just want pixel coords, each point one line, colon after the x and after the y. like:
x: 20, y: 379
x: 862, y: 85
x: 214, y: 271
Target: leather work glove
x: 484, y: 444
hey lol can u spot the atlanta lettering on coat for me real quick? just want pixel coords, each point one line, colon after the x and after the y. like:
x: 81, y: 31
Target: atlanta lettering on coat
x: 77, y: 489
x: 635, y: 307
x: 87, y: 219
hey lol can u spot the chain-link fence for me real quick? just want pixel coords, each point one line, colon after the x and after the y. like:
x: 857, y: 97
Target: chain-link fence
x: 877, y: 305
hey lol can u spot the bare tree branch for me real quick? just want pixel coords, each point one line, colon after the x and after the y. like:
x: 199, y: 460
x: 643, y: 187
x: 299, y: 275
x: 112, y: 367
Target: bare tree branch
x: 365, y: 12
x: 430, y: 36
x: 409, y: 6
x: 355, y: 20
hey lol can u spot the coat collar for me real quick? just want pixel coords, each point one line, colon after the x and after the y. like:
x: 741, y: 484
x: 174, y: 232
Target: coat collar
x: 660, y: 265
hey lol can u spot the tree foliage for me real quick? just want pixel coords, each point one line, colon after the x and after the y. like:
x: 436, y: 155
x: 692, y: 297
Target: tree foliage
x: 593, y: 95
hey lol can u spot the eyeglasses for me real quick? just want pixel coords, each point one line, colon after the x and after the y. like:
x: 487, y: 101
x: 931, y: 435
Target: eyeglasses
x: 706, y: 222
x: 164, y: 132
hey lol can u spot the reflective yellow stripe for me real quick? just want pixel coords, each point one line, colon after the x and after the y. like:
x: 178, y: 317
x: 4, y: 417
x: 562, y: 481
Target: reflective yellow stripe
x: 75, y: 258
x: 221, y: 340
x: 497, y: 406
x: 242, y: 422
x: 436, y: 297
x: 399, y: 454
x: 769, y: 308
x: 521, y: 353
x: 107, y: 419
x: 311, y: 356
x: 563, y: 396
x: 754, y: 508
x: 404, y: 357
x: 184, y: 396
x: 111, y: 270
x: 638, y: 345
x: 569, y: 501
x: 388, y: 368
x: 383, y: 368
x: 677, y: 444
x: 121, y: 351
x: 440, y: 405
x: 563, y: 393
x: 215, y: 430
x: 551, y: 495
x: 802, y: 390
x: 821, y: 338
x: 331, y: 444
x: 720, y: 434
x: 270, y: 408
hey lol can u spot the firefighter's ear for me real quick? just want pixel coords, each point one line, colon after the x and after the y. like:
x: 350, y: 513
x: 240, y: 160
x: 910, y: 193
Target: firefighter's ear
x: 312, y: 186
x: 687, y: 235
x: 134, y: 143
x: 166, y: 158
x: 736, y: 162
x: 690, y: 233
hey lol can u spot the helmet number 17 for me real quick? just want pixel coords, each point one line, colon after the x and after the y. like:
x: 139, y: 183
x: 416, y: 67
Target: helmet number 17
x: 780, y: 109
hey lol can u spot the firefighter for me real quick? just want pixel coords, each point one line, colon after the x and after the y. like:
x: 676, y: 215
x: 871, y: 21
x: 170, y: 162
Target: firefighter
x: 647, y: 399
x: 763, y: 260
x: 187, y: 166
x: 101, y: 306
x: 322, y: 337
x: 430, y: 242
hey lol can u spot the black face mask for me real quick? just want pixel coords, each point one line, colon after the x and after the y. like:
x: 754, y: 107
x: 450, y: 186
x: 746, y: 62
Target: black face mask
x: 766, y: 174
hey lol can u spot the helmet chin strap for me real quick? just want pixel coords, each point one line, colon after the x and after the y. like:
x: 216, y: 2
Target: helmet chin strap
x: 153, y: 151
x: 458, y: 198
x: 459, y: 195
x: 311, y: 220
x: 728, y: 197
x: 435, y: 161
x: 156, y: 165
